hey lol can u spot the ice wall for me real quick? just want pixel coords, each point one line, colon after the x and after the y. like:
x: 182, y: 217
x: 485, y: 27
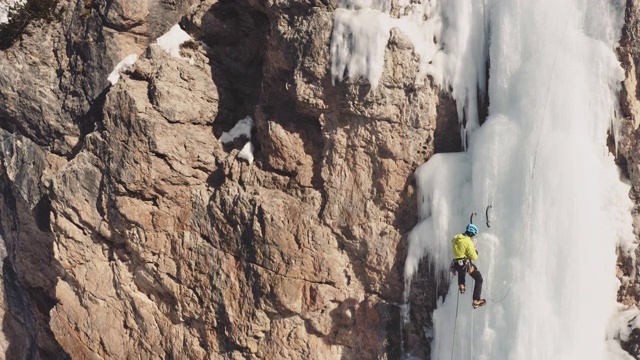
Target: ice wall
x: 560, y: 210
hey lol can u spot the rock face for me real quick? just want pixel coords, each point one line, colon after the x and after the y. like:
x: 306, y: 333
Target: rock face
x: 130, y: 231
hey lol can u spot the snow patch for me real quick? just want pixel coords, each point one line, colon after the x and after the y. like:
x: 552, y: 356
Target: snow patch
x: 170, y: 42
x: 247, y: 152
x: 242, y: 128
x: 123, y: 65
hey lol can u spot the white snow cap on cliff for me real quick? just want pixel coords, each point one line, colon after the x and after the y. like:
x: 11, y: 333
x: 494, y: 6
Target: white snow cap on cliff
x: 171, y: 41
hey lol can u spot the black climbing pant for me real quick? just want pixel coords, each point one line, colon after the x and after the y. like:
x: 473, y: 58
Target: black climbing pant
x: 466, y: 266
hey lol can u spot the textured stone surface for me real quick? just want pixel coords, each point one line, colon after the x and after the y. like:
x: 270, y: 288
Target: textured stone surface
x: 129, y: 231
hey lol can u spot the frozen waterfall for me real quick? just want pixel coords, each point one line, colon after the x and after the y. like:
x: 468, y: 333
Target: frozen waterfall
x: 560, y: 211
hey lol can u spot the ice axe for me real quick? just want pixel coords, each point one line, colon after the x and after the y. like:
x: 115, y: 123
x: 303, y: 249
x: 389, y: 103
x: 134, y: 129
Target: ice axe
x: 486, y: 216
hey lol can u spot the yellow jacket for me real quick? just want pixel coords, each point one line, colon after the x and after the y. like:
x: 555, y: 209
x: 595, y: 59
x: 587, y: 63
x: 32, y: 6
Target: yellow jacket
x: 463, y: 247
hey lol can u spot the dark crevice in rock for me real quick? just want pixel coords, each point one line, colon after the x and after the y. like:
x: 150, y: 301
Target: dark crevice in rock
x: 234, y: 34
x: 392, y: 324
x: 483, y: 98
x: 323, y: 206
x: 90, y: 122
x: 44, y: 303
x: 406, y: 214
x: 102, y: 194
x: 426, y: 289
x: 446, y: 137
x: 225, y: 343
x: 217, y: 178
x: 89, y: 60
x: 198, y: 296
x: 261, y: 221
x: 632, y: 345
x: 22, y: 326
x: 29, y: 276
x: 164, y: 158
x: 174, y: 278
x: 19, y: 314
x: 41, y: 214
x: 619, y: 159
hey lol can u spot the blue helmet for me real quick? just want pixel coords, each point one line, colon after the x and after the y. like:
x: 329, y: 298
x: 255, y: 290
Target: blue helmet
x: 472, y: 229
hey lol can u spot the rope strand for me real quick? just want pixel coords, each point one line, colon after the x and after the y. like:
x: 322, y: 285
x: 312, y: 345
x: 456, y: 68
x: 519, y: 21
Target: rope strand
x: 455, y: 325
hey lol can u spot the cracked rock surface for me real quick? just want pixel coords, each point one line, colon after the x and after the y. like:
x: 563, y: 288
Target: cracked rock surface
x: 130, y: 231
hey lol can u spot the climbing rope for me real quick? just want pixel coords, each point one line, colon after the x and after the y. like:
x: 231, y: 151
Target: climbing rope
x: 455, y: 325
x: 472, y: 334
x: 502, y: 298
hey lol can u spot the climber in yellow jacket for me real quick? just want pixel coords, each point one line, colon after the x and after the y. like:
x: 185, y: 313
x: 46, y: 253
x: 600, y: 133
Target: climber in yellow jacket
x: 464, y: 251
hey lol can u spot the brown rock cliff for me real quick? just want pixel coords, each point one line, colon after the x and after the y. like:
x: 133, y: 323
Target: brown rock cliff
x: 131, y: 232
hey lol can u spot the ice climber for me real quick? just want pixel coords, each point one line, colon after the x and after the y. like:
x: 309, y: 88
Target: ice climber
x: 464, y: 251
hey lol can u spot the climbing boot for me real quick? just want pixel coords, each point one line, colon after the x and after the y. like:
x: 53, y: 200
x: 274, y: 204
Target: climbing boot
x: 478, y: 303
x: 461, y: 287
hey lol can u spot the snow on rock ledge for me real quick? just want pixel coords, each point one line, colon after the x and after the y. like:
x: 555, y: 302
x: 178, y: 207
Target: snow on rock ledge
x: 123, y: 65
x: 171, y: 41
